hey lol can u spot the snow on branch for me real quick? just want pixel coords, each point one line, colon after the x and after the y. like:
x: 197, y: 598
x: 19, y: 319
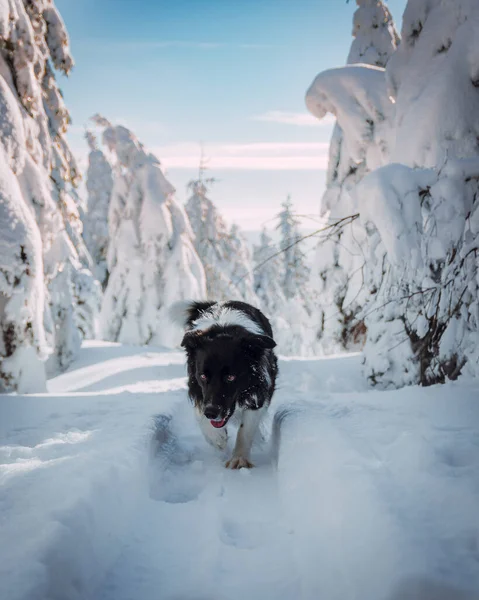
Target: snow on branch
x: 356, y: 96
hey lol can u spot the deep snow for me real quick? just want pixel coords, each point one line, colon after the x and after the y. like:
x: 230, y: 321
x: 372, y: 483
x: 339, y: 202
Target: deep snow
x: 108, y: 491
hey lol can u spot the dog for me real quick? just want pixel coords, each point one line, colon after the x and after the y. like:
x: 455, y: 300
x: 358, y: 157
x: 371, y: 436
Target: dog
x: 232, y: 370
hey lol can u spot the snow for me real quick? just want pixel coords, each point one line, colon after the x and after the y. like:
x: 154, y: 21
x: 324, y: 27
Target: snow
x: 108, y: 491
x: 356, y: 96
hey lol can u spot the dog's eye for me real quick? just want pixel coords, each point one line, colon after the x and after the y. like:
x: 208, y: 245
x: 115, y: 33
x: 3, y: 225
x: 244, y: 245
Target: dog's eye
x: 203, y: 377
x: 230, y: 378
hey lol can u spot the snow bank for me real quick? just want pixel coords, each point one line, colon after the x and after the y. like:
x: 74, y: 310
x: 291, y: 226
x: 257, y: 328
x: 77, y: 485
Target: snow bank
x: 73, y: 470
x: 379, y: 491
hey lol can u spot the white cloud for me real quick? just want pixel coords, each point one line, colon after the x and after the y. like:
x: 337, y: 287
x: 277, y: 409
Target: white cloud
x: 294, y: 118
x: 254, y: 156
x: 136, y: 44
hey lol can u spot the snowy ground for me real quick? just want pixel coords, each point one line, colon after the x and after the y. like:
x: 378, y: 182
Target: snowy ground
x: 108, y: 491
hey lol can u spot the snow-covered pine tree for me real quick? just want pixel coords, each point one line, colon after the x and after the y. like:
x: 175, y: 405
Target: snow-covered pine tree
x: 423, y: 324
x: 296, y: 332
x: 238, y: 256
x: 268, y: 285
x: 22, y: 340
x: 295, y: 271
x: 224, y: 253
x: 151, y: 257
x: 99, y: 185
x: 374, y: 32
x: 338, y: 260
x: 268, y: 275
x: 34, y: 121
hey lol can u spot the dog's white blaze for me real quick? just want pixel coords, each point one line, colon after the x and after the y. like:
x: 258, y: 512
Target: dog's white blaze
x: 222, y: 315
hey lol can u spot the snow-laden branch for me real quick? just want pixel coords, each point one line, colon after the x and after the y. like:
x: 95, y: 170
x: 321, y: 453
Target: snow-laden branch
x: 356, y: 96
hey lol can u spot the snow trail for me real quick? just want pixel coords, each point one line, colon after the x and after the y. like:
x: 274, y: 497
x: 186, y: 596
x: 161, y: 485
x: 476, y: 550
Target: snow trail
x: 108, y: 490
x: 222, y: 528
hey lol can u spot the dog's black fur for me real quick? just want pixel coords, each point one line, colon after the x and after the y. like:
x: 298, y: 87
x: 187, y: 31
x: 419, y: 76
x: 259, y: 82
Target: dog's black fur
x: 223, y: 350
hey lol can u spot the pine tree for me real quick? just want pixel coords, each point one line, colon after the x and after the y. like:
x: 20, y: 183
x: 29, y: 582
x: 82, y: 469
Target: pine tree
x: 224, y: 253
x: 151, y: 257
x: 296, y: 330
x: 35, y: 45
x: 421, y: 208
x: 268, y: 275
x: 296, y: 273
x: 99, y: 185
x: 374, y: 32
x: 339, y: 259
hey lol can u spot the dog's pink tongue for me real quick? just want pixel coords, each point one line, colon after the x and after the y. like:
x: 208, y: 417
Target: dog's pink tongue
x: 218, y: 424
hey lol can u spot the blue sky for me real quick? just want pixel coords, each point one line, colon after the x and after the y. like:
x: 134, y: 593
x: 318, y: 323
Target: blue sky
x: 225, y: 73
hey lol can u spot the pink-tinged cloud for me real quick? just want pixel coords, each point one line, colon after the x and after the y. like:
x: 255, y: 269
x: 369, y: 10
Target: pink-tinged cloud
x: 294, y: 118
x: 261, y: 156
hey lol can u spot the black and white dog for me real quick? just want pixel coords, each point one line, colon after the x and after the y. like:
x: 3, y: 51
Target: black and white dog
x: 232, y: 369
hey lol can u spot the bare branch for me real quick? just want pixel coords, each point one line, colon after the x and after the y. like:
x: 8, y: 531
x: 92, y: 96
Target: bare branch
x: 338, y: 224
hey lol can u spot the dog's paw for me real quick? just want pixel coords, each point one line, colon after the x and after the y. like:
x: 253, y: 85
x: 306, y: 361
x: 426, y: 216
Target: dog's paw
x: 239, y: 462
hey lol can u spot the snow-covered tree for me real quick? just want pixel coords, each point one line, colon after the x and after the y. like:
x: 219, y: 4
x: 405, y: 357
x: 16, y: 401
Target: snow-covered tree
x: 295, y: 329
x: 22, y: 334
x: 374, y: 32
x: 268, y: 275
x: 419, y: 215
x: 151, y: 257
x: 33, y: 124
x: 99, y: 185
x: 338, y: 260
x: 223, y: 252
x: 295, y: 271
x: 423, y: 325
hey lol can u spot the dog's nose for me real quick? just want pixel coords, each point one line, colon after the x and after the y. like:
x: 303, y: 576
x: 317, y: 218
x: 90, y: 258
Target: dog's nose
x: 211, y: 412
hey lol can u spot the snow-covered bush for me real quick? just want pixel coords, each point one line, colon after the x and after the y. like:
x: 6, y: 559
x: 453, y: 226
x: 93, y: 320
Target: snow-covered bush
x: 33, y: 123
x: 358, y: 145
x: 151, y: 258
x: 223, y: 252
x: 99, y: 185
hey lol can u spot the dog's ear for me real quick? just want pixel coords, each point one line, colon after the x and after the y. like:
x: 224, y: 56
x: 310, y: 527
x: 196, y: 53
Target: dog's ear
x: 258, y: 342
x: 192, y: 340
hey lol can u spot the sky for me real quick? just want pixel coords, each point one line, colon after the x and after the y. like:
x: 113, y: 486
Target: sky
x: 228, y: 76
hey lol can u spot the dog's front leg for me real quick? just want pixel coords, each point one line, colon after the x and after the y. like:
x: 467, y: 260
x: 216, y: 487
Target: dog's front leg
x: 216, y: 437
x: 250, y: 420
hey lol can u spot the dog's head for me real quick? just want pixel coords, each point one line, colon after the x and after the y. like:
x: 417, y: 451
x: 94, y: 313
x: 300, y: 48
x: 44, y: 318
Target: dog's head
x: 222, y: 362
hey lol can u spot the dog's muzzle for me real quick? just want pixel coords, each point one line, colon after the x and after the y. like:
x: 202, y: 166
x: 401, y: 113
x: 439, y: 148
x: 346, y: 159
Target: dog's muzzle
x: 213, y: 413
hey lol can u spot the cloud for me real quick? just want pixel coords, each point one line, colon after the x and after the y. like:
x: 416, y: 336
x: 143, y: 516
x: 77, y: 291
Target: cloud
x: 294, y: 118
x: 259, y: 156
x: 133, y: 44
